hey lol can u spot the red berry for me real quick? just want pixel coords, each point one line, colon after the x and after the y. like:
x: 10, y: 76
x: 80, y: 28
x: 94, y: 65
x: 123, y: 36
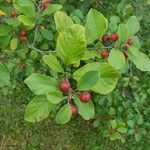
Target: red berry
x: 85, y: 97
x: 106, y: 38
x: 114, y: 37
x: 104, y: 54
x: 125, y: 55
x: 74, y: 110
x: 130, y: 41
x: 64, y: 86
x: 46, y: 4
x: 13, y: 13
x: 23, y: 38
x: 23, y: 33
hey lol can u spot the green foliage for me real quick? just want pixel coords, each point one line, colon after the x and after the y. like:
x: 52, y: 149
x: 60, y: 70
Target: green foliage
x: 67, y: 47
x: 96, y: 25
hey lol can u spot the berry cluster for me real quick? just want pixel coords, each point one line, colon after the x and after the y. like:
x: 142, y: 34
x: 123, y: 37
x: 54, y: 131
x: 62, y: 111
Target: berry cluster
x: 113, y: 38
x: 23, y: 35
x: 65, y: 87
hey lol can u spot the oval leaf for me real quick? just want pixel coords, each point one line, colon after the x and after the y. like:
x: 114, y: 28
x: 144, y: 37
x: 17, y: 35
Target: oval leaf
x: 62, y: 21
x: 108, y: 76
x: 96, y: 25
x: 52, y: 62
x: 141, y: 60
x: 41, y: 84
x: 14, y: 43
x: 88, y: 80
x: 133, y: 26
x: 51, y: 9
x: 55, y: 97
x: 64, y: 114
x: 86, y: 110
x: 116, y: 58
x: 26, y: 20
x: 71, y: 44
x: 38, y: 109
x: 123, y: 33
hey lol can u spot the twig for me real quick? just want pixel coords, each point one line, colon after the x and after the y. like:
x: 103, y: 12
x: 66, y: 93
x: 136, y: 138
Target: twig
x: 36, y: 49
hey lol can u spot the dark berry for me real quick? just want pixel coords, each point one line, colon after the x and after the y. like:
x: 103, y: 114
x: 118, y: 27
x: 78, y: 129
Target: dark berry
x: 114, y: 37
x: 104, y: 54
x: 130, y: 41
x: 74, y: 110
x: 106, y: 38
x: 85, y: 97
x: 64, y: 86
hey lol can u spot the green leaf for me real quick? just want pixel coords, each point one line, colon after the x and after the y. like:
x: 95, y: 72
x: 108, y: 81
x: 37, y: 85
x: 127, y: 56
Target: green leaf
x: 125, y: 68
x: 137, y: 42
x: 41, y: 84
x: 52, y: 62
x: 55, y: 97
x: 71, y: 44
x: 141, y: 60
x: 88, y: 80
x: 108, y: 76
x: 113, y: 124
x: 4, y: 41
x: 131, y: 123
x: 4, y: 30
x: 116, y: 58
x: 133, y: 26
x: 86, y: 110
x: 14, y: 22
x: 14, y: 43
x: 26, y: 21
x: 47, y: 34
x: 96, y: 25
x: 4, y: 75
x: 26, y: 7
x: 90, y: 54
x: 123, y: 33
x: 52, y: 8
x: 2, y: 13
x: 64, y: 114
x: 62, y: 21
x: 38, y: 109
